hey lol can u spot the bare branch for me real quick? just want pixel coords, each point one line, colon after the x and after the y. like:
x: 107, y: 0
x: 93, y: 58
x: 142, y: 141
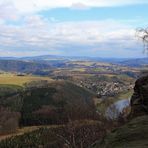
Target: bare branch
x: 142, y: 33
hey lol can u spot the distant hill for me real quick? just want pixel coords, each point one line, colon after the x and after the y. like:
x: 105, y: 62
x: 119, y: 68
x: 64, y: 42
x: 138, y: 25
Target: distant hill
x: 22, y: 66
x: 134, y: 62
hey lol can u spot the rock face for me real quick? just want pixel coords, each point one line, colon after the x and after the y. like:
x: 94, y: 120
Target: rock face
x: 139, y: 100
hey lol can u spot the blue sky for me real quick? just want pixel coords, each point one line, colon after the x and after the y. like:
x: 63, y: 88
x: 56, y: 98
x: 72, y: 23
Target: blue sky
x: 130, y: 12
x: 99, y: 28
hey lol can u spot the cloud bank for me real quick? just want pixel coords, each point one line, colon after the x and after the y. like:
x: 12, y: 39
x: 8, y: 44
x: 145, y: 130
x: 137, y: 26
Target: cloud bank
x: 33, y: 34
x: 38, y: 34
x: 30, y: 6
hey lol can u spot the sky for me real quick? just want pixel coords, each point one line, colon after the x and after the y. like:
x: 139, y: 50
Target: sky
x: 96, y: 28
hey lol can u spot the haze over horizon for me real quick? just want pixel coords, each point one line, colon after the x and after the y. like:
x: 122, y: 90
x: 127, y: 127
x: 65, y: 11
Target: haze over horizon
x: 72, y: 28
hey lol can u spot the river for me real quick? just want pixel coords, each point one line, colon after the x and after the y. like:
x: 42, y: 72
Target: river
x: 116, y: 108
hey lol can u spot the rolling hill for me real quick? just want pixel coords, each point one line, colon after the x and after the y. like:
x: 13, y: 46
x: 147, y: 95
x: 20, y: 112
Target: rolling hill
x: 132, y: 62
x: 22, y: 66
x: 55, y: 102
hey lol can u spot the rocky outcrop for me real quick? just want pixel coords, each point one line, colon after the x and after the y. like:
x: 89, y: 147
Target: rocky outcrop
x: 139, y: 100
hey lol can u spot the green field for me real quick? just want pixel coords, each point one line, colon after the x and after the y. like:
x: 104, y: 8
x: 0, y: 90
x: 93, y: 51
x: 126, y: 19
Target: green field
x: 90, y: 63
x: 13, y: 79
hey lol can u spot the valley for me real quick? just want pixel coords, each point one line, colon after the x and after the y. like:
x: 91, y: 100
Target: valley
x: 73, y: 74
x: 46, y: 96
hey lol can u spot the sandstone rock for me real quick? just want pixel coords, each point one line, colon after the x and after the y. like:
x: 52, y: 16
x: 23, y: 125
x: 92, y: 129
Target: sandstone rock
x: 139, y: 100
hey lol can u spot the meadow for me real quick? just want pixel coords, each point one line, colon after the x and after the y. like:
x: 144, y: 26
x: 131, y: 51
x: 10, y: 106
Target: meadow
x: 13, y: 79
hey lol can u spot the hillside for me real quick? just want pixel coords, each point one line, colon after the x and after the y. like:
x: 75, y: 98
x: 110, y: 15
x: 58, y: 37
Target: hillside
x: 135, y: 62
x: 56, y: 103
x: 22, y: 66
x: 74, y: 134
x: 131, y: 135
x: 50, y: 103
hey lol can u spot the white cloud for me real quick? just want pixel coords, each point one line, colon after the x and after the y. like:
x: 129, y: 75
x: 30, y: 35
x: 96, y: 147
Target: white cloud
x: 31, y: 6
x: 80, y: 6
x: 38, y: 34
x: 8, y: 11
x: 41, y: 35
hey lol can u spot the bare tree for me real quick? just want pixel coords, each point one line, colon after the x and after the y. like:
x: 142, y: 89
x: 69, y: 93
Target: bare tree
x: 81, y: 134
x: 142, y: 33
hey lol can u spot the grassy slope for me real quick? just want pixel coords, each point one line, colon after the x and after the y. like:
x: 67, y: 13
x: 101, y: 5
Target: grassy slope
x: 51, y: 136
x: 132, y: 135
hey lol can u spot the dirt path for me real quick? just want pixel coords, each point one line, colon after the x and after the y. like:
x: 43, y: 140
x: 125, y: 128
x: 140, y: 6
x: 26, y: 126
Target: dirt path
x: 24, y: 130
